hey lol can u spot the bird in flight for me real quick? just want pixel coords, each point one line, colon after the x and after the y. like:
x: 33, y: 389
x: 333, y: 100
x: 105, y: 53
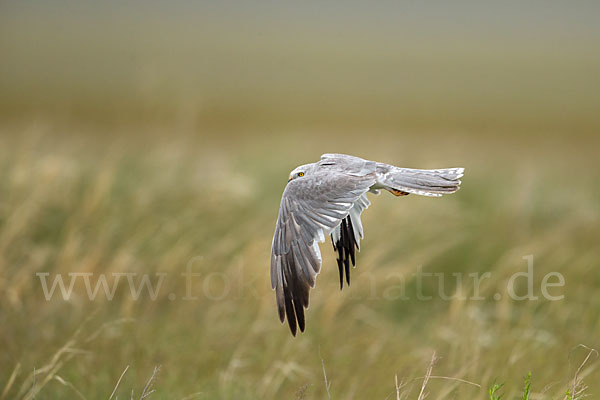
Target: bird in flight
x: 328, y: 198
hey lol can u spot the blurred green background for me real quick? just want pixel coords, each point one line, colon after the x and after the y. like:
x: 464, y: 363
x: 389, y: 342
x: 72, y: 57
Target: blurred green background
x: 476, y: 66
x: 141, y: 136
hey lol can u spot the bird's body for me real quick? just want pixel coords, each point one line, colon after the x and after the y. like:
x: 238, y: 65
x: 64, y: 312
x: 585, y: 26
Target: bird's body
x: 328, y: 198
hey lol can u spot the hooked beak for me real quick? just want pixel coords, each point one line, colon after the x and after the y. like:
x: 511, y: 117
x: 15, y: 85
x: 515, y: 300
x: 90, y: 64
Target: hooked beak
x: 289, y: 179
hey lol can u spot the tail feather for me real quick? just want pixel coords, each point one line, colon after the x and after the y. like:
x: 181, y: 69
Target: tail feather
x: 424, y: 182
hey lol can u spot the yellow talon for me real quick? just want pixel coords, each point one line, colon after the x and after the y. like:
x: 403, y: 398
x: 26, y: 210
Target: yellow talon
x: 398, y: 192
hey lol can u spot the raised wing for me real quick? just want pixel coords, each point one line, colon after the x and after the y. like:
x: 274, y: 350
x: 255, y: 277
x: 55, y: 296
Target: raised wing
x: 311, y: 207
x: 346, y: 238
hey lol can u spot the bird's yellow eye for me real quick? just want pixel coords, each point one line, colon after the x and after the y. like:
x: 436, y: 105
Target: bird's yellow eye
x: 300, y: 173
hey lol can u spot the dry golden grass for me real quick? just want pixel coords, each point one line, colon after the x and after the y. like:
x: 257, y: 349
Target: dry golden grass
x: 78, y: 201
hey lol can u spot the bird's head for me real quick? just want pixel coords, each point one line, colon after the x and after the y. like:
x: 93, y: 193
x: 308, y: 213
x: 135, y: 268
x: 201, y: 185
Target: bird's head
x: 300, y: 171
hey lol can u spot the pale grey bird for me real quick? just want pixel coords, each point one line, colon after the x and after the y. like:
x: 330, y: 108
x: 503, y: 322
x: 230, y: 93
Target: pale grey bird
x: 328, y: 198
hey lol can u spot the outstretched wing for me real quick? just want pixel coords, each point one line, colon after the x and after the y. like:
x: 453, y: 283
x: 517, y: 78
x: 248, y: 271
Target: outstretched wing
x: 346, y: 238
x: 311, y: 207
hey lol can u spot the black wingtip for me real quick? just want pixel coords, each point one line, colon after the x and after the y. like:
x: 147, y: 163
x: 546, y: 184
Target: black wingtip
x: 347, y: 268
x: 281, y: 312
x: 341, y: 272
x: 345, y: 247
x: 299, y: 313
x: 290, y: 314
x: 352, y: 242
x: 347, y: 272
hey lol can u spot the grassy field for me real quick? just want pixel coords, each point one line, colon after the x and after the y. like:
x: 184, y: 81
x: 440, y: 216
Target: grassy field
x: 80, y: 200
x: 145, y: 145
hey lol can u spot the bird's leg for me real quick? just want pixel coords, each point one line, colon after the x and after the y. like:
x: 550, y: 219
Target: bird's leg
x: 396, y: 192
